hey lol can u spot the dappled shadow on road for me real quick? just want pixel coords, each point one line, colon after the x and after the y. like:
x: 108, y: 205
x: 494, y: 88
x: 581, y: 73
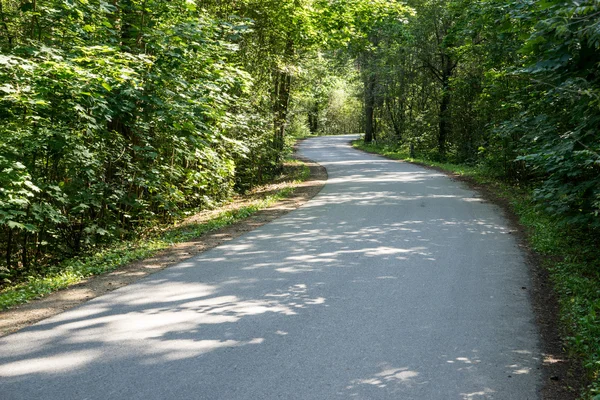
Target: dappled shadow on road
x: 382, y: 269
x: 399, y: 380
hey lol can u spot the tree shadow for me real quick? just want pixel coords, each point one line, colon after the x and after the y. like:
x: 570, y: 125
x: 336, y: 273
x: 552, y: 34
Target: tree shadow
x: 386, y: 263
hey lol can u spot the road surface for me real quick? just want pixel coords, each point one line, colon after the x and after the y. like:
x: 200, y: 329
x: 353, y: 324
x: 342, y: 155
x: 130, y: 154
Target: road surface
x: 395, y: 282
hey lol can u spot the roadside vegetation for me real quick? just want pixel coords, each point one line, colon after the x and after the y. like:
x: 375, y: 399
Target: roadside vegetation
x: 149, y: 243
x: 122, y: 115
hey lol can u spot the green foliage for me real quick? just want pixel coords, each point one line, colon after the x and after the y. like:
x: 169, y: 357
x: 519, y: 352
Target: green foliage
x: 562, y: 144
x: 76, y: 269
x: 132, y: 112
x: 325, y: 101
x: 520, y: 102
x: 121, y: 115
x: 482, y: 175
x: 512, y: 85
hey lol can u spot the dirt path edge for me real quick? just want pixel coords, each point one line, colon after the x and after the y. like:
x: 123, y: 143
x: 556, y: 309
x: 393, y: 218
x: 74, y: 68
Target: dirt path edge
x: 19, y: 317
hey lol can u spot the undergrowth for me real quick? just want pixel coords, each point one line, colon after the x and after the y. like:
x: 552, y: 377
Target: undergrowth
x: 73, y: 271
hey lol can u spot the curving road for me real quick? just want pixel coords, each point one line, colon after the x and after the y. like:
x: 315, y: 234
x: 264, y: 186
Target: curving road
x: 395, y: 282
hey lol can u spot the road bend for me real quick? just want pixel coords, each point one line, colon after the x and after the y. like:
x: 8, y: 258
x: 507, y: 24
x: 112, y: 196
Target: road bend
x: 395, y: 282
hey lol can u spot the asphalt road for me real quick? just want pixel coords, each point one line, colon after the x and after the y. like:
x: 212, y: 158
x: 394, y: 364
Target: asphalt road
x: 395, y: 282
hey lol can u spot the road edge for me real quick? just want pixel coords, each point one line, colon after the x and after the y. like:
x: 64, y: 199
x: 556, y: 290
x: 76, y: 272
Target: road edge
x: 561, y: 375
x: 22, y: 316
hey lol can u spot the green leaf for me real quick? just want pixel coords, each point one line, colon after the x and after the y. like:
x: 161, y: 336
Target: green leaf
x: 190, y: 5
x: 15, y: 225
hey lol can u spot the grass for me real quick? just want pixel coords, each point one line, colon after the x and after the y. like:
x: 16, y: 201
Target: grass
x: 571, y: 256
x: 75, y: 270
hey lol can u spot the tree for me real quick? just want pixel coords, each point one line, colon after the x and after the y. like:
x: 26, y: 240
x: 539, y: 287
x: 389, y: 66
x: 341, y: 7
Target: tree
x: 362, y: 25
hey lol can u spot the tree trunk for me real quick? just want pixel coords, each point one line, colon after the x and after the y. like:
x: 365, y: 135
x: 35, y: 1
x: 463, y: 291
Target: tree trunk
x: 369, y: 108
x: 445, y: 123
x: 444, y: 126
x: 281, y: 100
x: 24, y: 258
x: 9, y: 248
x: 8, y: 34
x: 395, y: 125
x: 313, y: 119
x: 33, y: 18
x: 283, y: 82
x: 127, y: 25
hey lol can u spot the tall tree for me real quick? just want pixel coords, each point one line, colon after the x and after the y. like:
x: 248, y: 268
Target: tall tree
x: 362, y: 25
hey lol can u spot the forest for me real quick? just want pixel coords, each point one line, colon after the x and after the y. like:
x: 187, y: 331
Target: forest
x: 120, y: 114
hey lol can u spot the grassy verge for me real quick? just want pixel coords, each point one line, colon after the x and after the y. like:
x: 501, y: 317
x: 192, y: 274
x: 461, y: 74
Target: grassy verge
x: 75, y: 270
x: 571, y: 256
